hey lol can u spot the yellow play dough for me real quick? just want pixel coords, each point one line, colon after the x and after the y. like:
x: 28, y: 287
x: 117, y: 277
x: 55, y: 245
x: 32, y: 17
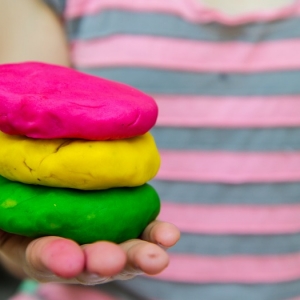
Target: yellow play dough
x: 80, y: 164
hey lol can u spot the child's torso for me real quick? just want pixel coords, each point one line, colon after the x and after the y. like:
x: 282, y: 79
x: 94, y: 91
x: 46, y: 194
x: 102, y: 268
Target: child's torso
x: 228, y: 130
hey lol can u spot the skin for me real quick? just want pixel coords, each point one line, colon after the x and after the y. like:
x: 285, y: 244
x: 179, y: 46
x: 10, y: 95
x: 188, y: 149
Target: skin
x: 53, y: 259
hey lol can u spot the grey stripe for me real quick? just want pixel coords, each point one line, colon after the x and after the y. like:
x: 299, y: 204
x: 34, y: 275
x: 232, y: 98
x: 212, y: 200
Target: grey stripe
x: 149, y: 288
x: 214, y: 193
x: 110, y: 22
x: 155, y: 81
x: 222, y: 245
x: 57, y: 5
x: 275, y: 139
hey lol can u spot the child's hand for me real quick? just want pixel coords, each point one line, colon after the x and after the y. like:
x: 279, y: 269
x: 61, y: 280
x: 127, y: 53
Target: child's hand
x: 54, y: 259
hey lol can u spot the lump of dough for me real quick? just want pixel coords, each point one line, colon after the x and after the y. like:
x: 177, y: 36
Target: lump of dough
x: 46, y: 101
x: 79, y: 164
x: 115, y: 215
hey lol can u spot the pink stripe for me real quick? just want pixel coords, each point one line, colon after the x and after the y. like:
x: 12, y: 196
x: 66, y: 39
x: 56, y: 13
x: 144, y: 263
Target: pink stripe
x: 191, y: 10
x: 236, y: 219
x: 237, y: 269
x: 229, y: 167
x: 157, y: 52
x: 76, y: 8
x: 195, y: 111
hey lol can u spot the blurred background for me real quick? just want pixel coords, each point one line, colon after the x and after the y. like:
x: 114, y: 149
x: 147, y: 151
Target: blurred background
x: 8, y: 285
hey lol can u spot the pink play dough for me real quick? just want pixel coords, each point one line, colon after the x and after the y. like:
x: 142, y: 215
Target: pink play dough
x: 46, y: 101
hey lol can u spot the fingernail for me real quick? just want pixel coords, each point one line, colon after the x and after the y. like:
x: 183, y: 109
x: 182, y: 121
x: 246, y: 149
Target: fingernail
x: 138, y: 270
x: 92, y: 279
x: 161, y: 246
x: 96, y: 278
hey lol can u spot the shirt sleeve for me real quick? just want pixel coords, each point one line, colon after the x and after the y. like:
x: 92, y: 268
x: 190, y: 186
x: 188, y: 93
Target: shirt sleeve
x: 57, y: 5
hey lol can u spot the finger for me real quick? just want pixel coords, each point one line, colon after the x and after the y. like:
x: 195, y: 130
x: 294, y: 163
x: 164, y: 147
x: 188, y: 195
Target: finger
x: 143, y: 257
x: 103, y: 259
x: 43, y: 259
x: 161, y: 233
x: 52, y: 258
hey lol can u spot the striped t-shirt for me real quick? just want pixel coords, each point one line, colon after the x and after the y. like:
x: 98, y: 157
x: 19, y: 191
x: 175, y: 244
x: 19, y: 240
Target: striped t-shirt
x: 228, y: 91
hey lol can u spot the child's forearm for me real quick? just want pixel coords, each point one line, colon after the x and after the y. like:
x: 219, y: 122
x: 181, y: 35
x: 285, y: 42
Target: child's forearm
x: 6, y: 262
x: 30, y: 31
x: 12, y: 268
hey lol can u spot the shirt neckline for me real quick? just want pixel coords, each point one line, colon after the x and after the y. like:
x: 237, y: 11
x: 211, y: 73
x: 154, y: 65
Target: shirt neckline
x: 205, y: 14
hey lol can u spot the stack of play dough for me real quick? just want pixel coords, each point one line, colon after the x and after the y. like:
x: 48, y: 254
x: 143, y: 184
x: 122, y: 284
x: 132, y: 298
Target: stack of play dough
x: 75, y: 155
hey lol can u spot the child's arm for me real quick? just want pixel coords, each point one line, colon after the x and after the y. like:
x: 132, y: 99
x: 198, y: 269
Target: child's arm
x: 30, y: 31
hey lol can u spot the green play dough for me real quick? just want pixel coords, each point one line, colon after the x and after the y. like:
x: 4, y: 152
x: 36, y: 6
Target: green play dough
x: 116, y: 215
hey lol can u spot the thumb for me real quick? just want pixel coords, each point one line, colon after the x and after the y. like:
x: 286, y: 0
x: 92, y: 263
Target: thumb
x: 43, y: 259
